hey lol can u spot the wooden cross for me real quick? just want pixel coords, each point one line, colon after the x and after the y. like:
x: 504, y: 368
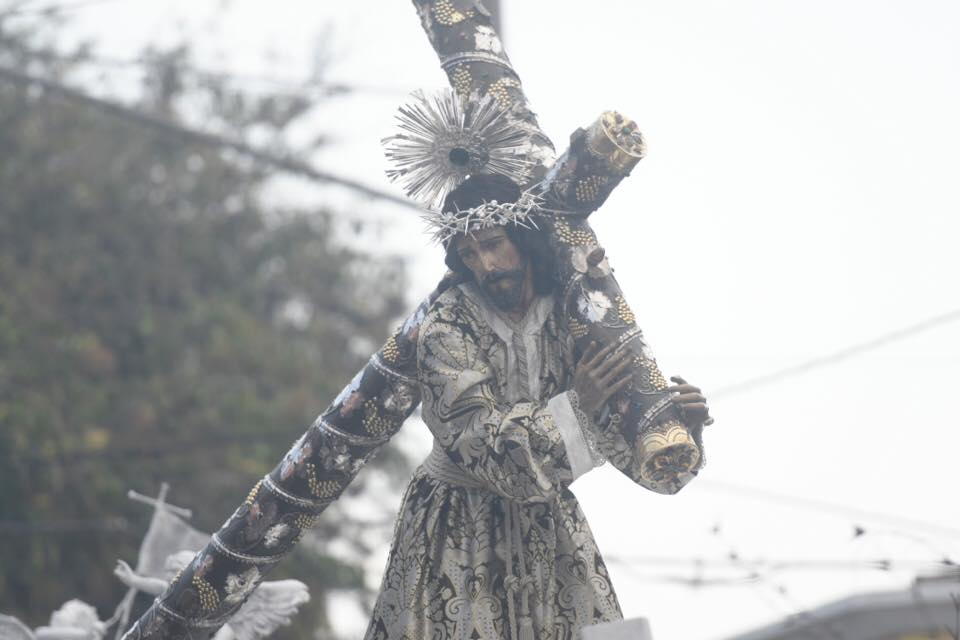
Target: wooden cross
x: 642, y: 433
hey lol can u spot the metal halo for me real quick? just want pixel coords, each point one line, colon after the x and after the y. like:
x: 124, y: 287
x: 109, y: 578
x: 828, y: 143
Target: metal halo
x: 447, y: 138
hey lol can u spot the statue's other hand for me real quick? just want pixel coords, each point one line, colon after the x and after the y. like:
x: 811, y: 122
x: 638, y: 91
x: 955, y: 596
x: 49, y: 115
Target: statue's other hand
x: 691, y: 402
x: 600, y: 373
x: 124, y: 573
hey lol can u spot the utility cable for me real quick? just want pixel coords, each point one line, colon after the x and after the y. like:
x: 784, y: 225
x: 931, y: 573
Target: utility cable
x: 822, y: 361
x: 290, y: 165
x: 328, y: 88
x: 27, y: 10
x: 198, y: 446
x: 823, y: 506
x: 75, y: 525
x: 779, y: 564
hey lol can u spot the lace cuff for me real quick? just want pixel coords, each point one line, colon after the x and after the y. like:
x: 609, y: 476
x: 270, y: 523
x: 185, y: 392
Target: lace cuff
x: 586, y: 429
x: 577, y: 433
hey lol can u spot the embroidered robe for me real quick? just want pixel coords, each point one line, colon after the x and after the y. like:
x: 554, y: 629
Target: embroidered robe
x: 490, y: 543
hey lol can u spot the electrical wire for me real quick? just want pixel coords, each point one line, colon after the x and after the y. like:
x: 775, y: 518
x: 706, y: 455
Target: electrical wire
x: 198, y: 446
x: 26, y: 10
x: 76, y: 525
x: 287, y: 164
x: 788, y: 372
x: 821, y: 627
x: 779, y: 564
x: 299, y: 85
x: 822, y: 506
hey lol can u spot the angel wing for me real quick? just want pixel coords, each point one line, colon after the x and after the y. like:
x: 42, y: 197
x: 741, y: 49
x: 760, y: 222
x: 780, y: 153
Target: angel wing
x: 13, y: 629
x: 74, y: 620
x: 272, y: 605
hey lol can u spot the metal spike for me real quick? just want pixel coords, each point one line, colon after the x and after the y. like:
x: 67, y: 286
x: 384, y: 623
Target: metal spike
x: 496, y: 142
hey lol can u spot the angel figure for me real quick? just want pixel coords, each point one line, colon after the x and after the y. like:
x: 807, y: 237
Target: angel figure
x: 75, y: 620
x: 271, y: 605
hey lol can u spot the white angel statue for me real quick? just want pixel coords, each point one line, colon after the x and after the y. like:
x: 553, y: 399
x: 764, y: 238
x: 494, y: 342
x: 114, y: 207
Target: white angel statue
x: 75, y: 620
x: 270, y: 606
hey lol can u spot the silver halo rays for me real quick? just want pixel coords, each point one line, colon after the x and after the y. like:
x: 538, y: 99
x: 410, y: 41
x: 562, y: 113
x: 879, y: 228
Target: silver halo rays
x: 445, y: 139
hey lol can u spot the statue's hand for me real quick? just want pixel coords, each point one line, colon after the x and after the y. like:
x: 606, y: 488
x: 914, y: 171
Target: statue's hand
x: 600, y: 373
x: 691, y: 402
x: 124, y: 573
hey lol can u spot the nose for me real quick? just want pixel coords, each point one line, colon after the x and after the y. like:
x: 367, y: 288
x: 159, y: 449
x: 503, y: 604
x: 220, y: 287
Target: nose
x: 487, y: 262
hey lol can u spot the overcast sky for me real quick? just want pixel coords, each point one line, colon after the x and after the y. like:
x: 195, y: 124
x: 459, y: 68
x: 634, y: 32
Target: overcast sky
x: 800, y: 196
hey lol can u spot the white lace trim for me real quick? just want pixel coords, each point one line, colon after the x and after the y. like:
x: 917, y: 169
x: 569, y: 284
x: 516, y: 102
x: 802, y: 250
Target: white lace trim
x: 586, y: 428
x: 579, y: 454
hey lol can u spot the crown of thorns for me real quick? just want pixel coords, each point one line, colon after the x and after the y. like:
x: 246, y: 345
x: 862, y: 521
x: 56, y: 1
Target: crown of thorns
x: 443, y: 226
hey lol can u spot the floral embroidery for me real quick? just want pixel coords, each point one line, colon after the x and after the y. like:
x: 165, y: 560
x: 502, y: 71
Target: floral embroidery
x: 239, y: 586
x: 594, y: 305
x: 276, y: 534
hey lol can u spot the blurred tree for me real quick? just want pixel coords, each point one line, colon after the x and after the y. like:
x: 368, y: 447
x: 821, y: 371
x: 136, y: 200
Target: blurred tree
x: 158, y: 321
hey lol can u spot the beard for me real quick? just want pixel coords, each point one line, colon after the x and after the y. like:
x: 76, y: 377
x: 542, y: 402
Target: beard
x: 505, y: 288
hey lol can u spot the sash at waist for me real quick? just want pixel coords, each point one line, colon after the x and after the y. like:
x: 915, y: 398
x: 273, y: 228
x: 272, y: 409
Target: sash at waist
x: 439, y: 466
x: 518, y: 581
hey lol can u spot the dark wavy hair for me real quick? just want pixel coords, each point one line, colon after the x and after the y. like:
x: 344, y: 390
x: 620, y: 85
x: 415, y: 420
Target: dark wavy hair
x: 531, y: 243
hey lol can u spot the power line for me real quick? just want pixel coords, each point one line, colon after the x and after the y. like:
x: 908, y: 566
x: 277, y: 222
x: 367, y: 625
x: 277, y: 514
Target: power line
x: 288, y: 82
x: 199, y: 446
x: 696, y: 581
x: 779, y: 564
x: 793, y: 608
x: 329, y: 88
x: 156, y: 123
x: 823, y: 506
x: 75, y: 525
x: 822, y: 361
x: 52, y: 8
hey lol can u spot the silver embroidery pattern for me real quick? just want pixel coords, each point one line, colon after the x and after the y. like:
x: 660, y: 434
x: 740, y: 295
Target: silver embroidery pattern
x: 515, y: 552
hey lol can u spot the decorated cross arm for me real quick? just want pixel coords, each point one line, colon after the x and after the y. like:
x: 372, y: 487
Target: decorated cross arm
x: 280, y: 508
x: 640, y: 431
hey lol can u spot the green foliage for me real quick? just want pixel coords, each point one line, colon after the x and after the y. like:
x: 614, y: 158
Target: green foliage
x: 158, y: 322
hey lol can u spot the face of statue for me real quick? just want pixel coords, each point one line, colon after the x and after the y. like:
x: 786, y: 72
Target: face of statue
x: 500, y: 269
